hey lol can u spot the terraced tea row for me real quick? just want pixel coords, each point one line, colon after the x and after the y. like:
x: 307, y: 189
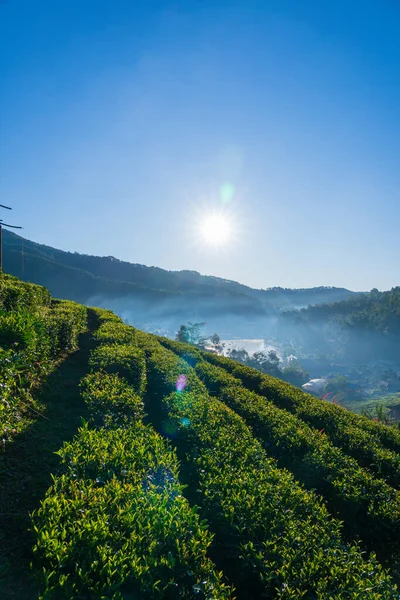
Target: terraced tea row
x: 278, y: 539
x: 375, y: 446
x: 115, y: 523
x: 369, y: 507
x: 35, y: 331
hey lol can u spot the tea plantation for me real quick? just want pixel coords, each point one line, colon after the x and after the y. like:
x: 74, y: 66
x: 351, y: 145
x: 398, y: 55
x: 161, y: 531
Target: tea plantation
x: 135, y: 467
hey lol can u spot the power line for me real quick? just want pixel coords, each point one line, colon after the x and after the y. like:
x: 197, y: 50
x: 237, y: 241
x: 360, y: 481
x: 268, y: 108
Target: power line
x: 2, y: 224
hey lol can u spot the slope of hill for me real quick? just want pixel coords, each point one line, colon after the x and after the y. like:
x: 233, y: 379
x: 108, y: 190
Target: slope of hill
x: 191, y: 476
x: 366, y: 327
x: 134, y: 288
x: 377, y: 311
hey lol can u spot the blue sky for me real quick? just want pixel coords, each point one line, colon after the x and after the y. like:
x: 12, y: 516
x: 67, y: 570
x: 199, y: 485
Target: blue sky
x: 120, y: 121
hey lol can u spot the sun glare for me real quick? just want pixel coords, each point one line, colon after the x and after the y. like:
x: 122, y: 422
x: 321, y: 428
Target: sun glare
x: 215, y: 229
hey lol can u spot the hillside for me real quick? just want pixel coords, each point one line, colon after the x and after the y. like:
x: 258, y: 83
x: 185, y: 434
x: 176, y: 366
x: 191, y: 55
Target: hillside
x: 150, y: 296
x: 363, y: 328
x: 191, y: 475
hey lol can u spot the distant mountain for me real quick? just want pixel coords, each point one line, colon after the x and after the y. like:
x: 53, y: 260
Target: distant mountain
x: 276, y: 297
x: 155, y: 294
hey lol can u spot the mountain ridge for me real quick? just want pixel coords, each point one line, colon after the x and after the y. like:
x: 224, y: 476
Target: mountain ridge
x: 151, y: 294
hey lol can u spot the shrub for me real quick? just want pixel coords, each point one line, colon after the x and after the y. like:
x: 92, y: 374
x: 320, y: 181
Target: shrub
x: 126, y: 360
x: 116, y: 523
x: 277, y: 538
x: 111, y: 401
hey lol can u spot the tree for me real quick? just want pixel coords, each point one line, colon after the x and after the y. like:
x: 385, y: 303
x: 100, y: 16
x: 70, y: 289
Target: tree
x: 343, y: 389
x: 379, y: 412
x: 215, y: 339
x: 266, y: 362
x: 338, y: 384
x: 295, y: 375
x: 240, y: 355
x: 191, y: 334
x: 182, y: 334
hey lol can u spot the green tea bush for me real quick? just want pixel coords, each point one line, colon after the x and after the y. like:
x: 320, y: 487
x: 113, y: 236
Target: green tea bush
x: 167, y: 367
x: 115, y: 332
x: 18, y: 329
x: 34, y: 332
x: 111, y: 401
x: 190, y: 354
x: 369, y: 507
x: 65, y: 321
x: 116, y: 524
x: 374, y: 445
x: 278, y: 538
x: 124, y: 359
x: 18, y: 295
x: 104, y: 315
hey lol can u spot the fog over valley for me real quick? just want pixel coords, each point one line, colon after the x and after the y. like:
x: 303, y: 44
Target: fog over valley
x: 350, y: 340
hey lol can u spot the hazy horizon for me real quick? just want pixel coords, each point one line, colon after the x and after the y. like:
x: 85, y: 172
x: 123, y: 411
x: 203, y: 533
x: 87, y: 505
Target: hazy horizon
x: 175, y: 270
x: 125, y: 125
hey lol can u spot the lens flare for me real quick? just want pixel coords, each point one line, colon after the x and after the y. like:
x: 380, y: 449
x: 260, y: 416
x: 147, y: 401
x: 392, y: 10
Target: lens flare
x: 227, y: 192
x: 181, y: 383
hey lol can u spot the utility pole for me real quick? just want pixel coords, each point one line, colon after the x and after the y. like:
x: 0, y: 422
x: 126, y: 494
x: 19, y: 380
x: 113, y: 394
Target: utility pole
x: 1, y: 235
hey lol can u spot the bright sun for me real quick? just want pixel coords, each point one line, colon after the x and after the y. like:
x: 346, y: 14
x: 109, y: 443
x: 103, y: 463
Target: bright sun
x: 215, y: 229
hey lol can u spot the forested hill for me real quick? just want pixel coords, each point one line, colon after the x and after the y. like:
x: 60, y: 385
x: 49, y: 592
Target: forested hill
x: 83, y: 278
x: 379, y: 311
x: 368, y: 323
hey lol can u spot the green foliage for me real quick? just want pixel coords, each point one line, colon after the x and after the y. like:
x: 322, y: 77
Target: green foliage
x: 125, y: 359
x: 369, y: 507
x: 104, y: 315
x: 374, y: 445
x: 115, y: 523
x: 376, y: 311
x: 191, y: 334
x: 111, y: 401
x: 341, y: 386
x: 378, y: 413
x: 239, y: 354
x: 16, y: 295
x: 18, y: 329
x: 269, y: 362
x: 271, y: 531
x: 339, y: 383
x: 270, y: 467
x: 190, y: 355
x: 34, y: 332
x: 365, y: 327
x: 294, y: 375
x: 115, y: 332
x: 64, y: 321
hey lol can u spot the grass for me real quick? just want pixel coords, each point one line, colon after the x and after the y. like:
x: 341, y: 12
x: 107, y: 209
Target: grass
x: 27, y: 462
x: 390, y: 401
